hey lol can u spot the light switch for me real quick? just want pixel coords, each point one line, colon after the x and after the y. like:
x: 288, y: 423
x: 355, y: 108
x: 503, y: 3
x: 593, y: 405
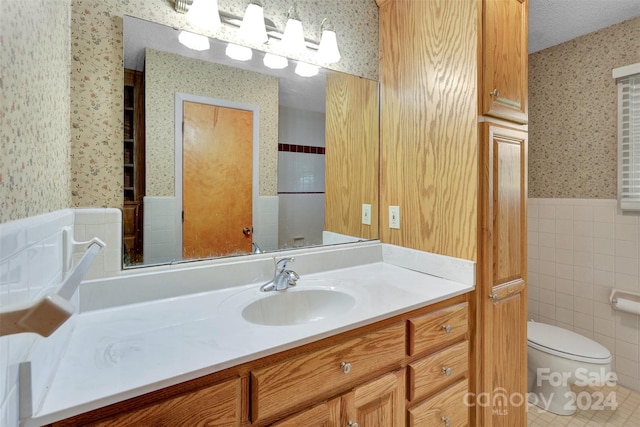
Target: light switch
x: 394, y: 217
x: 366, y: 214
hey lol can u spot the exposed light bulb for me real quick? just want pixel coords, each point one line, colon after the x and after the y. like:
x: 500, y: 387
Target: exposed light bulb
x: 239, y: 53
x: 275, y: 62
x: 328, y: 51
x: 205, y: 14
x: 193, y: 41
x: 306, y: 70
x: 252, y: 28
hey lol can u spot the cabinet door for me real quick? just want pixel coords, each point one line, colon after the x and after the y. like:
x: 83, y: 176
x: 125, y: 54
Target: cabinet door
x: 503, y: 266
x: 326, y: 414
x: 504, y: 55
x: 379, y: 403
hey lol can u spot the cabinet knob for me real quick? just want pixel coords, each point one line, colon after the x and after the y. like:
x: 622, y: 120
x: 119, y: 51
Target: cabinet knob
x: 446, y: 328
x: 495, y: 93
x: 494, y: 297
x: 352, y: 424
x: 446, y: 371
x: 446, y: 421
x: 346, y: 368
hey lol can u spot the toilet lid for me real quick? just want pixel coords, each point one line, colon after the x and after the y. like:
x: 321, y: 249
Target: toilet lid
x: 565, y: 343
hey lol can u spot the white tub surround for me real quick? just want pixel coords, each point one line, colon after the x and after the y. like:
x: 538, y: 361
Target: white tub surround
x: 124, y: 351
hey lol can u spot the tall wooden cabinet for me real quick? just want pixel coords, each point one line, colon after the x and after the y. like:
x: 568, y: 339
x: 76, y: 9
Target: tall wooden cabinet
x: 454, y: 157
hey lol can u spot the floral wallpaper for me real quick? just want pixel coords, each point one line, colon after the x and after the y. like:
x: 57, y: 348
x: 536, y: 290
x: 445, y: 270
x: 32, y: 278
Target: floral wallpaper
x: 573, y: 113
x: 34, y: 107
x: 203, y: 78
x: 97, y: 77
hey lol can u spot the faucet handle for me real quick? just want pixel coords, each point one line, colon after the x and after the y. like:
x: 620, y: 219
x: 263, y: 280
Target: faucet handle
x: 282, y: 263
x: 293, y: 277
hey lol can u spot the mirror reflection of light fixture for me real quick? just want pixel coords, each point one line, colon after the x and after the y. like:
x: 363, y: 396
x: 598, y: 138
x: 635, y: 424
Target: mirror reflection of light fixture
x: 293, y: 37
x: 194, y: 41
x: 328, y: 51
x: 274, y: 61
x: 252, y: 28
x: 306, y: 70
x: 205, y: 14
x: 239, y: 53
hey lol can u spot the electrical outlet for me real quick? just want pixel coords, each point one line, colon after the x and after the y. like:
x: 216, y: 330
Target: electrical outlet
x: 394, y: 217
x: 366, y: 214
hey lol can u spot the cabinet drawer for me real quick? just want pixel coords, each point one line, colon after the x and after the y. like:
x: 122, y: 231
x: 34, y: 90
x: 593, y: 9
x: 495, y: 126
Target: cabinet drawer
x: 438, y: 328
x: 217, y: 405
x: 448, y: 405
x: 438, y: 370
x: 318, y: 374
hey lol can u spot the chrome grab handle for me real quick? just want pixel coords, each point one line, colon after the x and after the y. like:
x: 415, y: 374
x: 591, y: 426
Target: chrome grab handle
x: 446, y: 371
x: 446, y: 328
x: 495, y: 93
x: 494, y: 297
x: 446, y: 421
x: 346, y: 367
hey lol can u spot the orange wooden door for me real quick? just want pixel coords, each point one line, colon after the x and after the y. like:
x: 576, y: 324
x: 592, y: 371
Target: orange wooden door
x: 217, y: 178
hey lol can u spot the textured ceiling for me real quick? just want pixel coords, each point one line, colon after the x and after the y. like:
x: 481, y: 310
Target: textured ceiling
x: 552, y: 22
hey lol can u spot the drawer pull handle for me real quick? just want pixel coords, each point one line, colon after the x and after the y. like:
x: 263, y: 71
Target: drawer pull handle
x: 446, y: 328
x: 494, y: 297
x: 446, y: 371
x: 446, y: 421
x: 346, y: 368
x: 352, y: 424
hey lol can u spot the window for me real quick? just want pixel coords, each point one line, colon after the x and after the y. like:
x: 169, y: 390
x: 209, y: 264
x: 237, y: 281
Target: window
x: 628, y: 79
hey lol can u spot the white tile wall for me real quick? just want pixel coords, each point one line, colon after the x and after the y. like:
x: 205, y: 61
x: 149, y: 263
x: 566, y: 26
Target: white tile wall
x: 265, y: 232
x: 159, y: 230
x: 31, y: 263
x: 301, y: 127
x: 31, y: 266
x: 578, y: 250
x: 301, y: 219
x: 300, y: 172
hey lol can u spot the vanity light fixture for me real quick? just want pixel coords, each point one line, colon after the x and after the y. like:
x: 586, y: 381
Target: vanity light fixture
x: 253, y: 29
x: 306, y: 70
x: 274, y: 61
x: 293, y: 37
x: 239, y: 53
x: 204, y: 14
x: 328, y: 51
x: 194, y: 41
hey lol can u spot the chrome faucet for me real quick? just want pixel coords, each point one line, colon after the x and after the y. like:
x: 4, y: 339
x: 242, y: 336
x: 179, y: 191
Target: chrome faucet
x: 282, y: 278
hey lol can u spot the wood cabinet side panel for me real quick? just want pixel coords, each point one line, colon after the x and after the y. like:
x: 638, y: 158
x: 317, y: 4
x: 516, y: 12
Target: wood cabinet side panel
x: 428, y: 73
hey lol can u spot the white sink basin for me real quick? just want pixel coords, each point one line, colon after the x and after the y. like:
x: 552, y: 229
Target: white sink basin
x: 297, y: 306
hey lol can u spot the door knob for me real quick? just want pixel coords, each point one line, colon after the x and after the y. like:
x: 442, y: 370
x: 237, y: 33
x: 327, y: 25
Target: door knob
x: 246, y: 231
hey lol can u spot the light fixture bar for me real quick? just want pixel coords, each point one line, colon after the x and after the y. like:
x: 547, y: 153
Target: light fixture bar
x: 182, y: 6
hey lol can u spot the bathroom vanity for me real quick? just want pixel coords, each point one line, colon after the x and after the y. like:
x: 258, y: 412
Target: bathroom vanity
x: 395, y: 349
x: 362, y: 376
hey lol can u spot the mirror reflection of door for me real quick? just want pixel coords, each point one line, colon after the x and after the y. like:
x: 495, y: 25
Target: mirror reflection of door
x: 217, y: 180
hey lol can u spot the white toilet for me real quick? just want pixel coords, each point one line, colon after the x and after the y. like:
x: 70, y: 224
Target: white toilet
x: 558, y: 358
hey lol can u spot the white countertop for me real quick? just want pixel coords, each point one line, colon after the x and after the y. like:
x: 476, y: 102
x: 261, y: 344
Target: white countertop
x: 118, y: 353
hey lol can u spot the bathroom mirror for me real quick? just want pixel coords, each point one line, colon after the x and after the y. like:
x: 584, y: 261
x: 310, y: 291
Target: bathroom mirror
x: 293, y: 161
